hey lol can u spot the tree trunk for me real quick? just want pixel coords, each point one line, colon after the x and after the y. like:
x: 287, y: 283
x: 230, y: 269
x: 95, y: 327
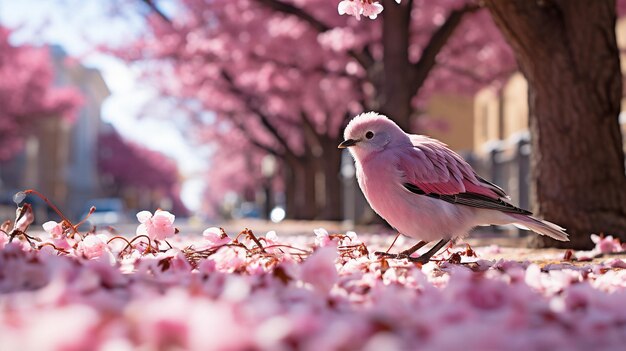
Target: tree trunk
x: 308, y: 193
x: 395, y: 93
x: 300, y: 196
x: 568, y: 52
x: 331, y: 168
x: 290, y: 191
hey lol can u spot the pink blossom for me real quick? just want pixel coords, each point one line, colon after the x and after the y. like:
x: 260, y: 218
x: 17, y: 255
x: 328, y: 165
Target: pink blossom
x: 157, y: 227
x: 372, y: 10
x: 215, y: 236
x: 48, y: 329
x: 357, y: 8
x: 4, y: 239
x: 616, y: 263
x: 229, y: 259
x: 54, y: 229
x: 350, y: 8
x: 26, y: 219
x: 606, y: 244
x: 93, y: 246
x: 322, y: 238
x: 319, y: 269
x: 57, y: 235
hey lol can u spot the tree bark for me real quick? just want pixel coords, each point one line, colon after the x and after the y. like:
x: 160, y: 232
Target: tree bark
x: 290, y: 191
x: 395, y: 93
x: 300, y: 195
x: 307, y: 190
x: 568, y: 52
x: 333, y: 190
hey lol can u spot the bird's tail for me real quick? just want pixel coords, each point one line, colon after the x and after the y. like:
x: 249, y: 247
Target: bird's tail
x: 540, y: 226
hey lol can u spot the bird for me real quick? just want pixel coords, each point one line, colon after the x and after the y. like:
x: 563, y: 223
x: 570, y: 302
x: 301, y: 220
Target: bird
x: 426, y: 191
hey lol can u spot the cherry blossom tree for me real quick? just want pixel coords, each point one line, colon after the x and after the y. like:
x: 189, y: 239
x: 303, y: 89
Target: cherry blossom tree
x: 125, y: 165
x: 27, y: 93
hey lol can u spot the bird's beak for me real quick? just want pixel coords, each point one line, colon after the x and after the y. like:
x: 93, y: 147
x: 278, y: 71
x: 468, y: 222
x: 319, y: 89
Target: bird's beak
x: 347, y: 143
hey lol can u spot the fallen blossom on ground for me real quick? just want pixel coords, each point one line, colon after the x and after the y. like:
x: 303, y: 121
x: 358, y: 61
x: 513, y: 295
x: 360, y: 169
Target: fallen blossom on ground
x: 158, y: 226
x: 323, y: 291
x: 606, y: 244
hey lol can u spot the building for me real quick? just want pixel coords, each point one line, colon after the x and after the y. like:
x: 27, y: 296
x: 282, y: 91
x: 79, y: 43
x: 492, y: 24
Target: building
x: 60, y: 156
x: 501, y: 149
x: 79, y: 172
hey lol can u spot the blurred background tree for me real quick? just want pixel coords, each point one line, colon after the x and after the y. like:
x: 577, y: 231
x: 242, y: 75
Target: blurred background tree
x: 148, y: 174
x: 27, y: 94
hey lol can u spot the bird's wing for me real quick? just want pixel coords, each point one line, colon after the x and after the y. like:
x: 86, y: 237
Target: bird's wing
x: 430, y: 168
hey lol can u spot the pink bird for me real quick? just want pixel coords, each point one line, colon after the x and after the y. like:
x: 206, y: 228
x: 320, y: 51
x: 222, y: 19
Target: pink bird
x: 425, y: 190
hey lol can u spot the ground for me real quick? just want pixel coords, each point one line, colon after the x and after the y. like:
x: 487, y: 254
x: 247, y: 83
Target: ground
x: 322, y: 289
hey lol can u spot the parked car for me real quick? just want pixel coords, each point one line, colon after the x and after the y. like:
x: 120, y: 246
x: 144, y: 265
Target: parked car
x: 108, y: 211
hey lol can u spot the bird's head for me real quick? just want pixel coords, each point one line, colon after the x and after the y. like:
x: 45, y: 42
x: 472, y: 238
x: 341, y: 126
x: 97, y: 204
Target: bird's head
x: 370, y: 133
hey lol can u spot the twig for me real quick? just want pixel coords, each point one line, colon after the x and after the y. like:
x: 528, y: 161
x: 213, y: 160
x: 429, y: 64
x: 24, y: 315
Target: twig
x: 55, y: 209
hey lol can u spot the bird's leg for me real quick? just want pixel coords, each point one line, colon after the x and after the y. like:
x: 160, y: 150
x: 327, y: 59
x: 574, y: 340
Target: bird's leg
x: 403, y: 254
x: 386, y: 253
x: 406, y: 253
x: 426, y: 257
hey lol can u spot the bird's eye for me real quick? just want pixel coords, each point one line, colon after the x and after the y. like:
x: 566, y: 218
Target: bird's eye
x: 369, y: 135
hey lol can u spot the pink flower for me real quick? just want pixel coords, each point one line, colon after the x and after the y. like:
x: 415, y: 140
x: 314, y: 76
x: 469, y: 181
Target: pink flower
x: 372, y: 10
x: 93, y: 246
x: 229, y: 259
x: 157, y: 227
x: 4, y: 239
x: 357, y: 8
x: 322, y: 238
x: 319, y: 269
x: 215, y: 236
x: 350, y: 8
x: 606, y: 244
x: 27, y: 218
x: 57, y: 234
x: 54, y: 229
x: 616, y: 263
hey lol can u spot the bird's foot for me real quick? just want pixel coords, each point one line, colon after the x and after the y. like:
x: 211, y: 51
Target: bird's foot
x: 399, y: 256
x: 425, y: 258
x: 421, y: 259
x: 402, y: 254
x: 385, y: 254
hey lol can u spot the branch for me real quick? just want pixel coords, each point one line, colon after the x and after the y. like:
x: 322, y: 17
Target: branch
x: 462, y: 71
x: 155, y: 9
x: 284, y: 7
x: 363, y: 57
x: 316, y: 69
x: 265, y: 120
x: 427, y: 61
x: 309, y: 130
x: 254, y: 142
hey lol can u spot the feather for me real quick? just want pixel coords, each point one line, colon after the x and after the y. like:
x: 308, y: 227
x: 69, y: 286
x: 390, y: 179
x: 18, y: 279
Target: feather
x: 470, y: 199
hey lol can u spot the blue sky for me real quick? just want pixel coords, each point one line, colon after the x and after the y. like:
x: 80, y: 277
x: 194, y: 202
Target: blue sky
x: 77, y: 26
